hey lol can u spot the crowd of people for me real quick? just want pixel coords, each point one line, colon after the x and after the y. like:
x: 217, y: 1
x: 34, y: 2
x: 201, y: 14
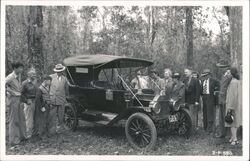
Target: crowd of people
x: 35, y: 111
x: 38, y: 111
x: 201, y: 91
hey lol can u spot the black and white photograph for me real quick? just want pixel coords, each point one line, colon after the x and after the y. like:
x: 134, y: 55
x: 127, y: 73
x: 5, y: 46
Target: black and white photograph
x: 136, y: 80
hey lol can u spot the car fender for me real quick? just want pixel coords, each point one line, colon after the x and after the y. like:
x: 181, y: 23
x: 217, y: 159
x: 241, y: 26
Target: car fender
x: 128, y: 112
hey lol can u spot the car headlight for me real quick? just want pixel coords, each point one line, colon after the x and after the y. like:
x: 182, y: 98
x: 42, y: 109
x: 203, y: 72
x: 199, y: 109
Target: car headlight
x: 155, y: 107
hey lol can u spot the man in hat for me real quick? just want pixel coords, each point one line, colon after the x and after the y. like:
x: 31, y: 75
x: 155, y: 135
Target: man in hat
x: 155, y: 82
x: 226, y: 77
x: 177, y: 94
x: 59, y: 91
x: 192, y: 94
x: 16, y: 118
x: 209, y: 86
x: 28, y: 95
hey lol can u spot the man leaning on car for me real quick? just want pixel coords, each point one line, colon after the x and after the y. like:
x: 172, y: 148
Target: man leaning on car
x: 58, y: 92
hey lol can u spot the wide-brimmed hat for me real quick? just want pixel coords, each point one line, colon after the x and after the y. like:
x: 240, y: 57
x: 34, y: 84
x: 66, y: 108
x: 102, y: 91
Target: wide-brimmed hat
x: 59, y: 68
x: 205, y: 72
x: 223, y: 64
x: 176, y: 75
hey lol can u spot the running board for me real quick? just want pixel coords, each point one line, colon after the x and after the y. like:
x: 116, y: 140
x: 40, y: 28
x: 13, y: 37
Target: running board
x: 99, y: 117
x: 106, y: 118
x: 110, y: 116
x: 102, y: 122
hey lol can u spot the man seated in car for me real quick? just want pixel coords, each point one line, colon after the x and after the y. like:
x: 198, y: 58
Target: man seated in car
x: 155, y: 82
x: 177, y: 94
x: 139, y: 82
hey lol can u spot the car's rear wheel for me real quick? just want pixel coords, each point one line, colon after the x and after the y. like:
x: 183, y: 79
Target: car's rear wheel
x: 185, y: 123
x: 140, y: 131
x: 70, y: 117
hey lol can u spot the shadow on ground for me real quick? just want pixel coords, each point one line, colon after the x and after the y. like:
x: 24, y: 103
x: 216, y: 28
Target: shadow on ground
x: 91, y: 139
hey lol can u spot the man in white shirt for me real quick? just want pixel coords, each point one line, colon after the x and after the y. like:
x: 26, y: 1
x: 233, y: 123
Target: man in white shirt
x: 139, y: 82
x: 17, y: 126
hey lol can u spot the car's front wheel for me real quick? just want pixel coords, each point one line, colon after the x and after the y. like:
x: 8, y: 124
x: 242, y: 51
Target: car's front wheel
x: 140, y: 131
x: 185, y: 123
x: 70, y: 117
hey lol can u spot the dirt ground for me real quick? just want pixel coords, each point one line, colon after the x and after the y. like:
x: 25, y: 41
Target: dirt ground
x: 90, y: 139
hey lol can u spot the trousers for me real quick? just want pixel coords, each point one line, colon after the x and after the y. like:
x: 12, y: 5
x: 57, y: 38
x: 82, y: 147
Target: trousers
x: 194, y: 114
x: 29, y: 110
x: 222, y: 111
x: 17, y: 128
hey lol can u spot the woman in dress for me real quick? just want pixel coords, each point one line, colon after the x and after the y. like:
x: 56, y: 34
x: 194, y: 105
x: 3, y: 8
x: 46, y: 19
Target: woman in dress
x: 233, y: 103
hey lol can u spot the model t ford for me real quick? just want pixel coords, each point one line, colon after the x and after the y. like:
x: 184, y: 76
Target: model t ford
x: 102, y: 95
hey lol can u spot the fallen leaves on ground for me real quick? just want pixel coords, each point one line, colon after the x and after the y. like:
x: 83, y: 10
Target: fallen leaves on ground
x: 90, y: 139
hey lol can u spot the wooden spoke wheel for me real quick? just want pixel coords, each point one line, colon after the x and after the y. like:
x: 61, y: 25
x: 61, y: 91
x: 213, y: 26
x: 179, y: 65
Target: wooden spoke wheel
x: 185, y: 123
x: 140, y: 131
x: 70, y: 117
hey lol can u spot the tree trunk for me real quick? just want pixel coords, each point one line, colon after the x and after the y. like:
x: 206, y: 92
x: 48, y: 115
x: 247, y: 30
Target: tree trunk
x: 189, y: 36
x: 35, y: 35
x: 8, y: 67
x: 235, y: 19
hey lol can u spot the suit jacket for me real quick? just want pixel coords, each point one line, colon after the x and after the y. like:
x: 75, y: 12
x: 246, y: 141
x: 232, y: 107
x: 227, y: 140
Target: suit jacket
x: 214, y: 85
x: 58, y: 90
x: 192, y: 90
x: 178, y: 93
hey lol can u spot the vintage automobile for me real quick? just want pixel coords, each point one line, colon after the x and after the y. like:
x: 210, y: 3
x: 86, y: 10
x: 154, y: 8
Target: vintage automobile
x: 101, y: 93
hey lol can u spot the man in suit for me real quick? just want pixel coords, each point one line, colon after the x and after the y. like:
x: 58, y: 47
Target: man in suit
x: 59, y: 91
x: 226, y: 78
x: 209, y: 86
x: 192, y: 94
x: 177, y: 95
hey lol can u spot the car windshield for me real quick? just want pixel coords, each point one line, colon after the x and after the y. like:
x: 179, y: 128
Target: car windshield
x: 127, y: 74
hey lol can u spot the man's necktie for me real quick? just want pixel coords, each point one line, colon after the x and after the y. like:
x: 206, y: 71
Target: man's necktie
x: 205, y: 87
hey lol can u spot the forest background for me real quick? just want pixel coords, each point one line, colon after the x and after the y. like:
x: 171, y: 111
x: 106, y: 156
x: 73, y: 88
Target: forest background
x: 171, y: 36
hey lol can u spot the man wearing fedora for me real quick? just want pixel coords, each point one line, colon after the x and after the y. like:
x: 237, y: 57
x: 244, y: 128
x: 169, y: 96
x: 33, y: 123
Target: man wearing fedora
x: 209, y: 86
x: 58, y: 92
x: 177, y: 94
x: 226, y: 77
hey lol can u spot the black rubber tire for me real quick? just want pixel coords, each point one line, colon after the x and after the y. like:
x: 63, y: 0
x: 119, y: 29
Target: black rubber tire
x: 148, y: 127
x: 70, y: 117
x: 185, y: 115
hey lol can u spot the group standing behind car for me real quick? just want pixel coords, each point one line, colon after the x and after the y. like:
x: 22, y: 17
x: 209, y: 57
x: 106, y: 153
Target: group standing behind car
x: 39, y: 110
x: 206, y: 91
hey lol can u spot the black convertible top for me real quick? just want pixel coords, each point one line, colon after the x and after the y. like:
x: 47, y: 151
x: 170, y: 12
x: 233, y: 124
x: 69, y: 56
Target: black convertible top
x: 105, y: 61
